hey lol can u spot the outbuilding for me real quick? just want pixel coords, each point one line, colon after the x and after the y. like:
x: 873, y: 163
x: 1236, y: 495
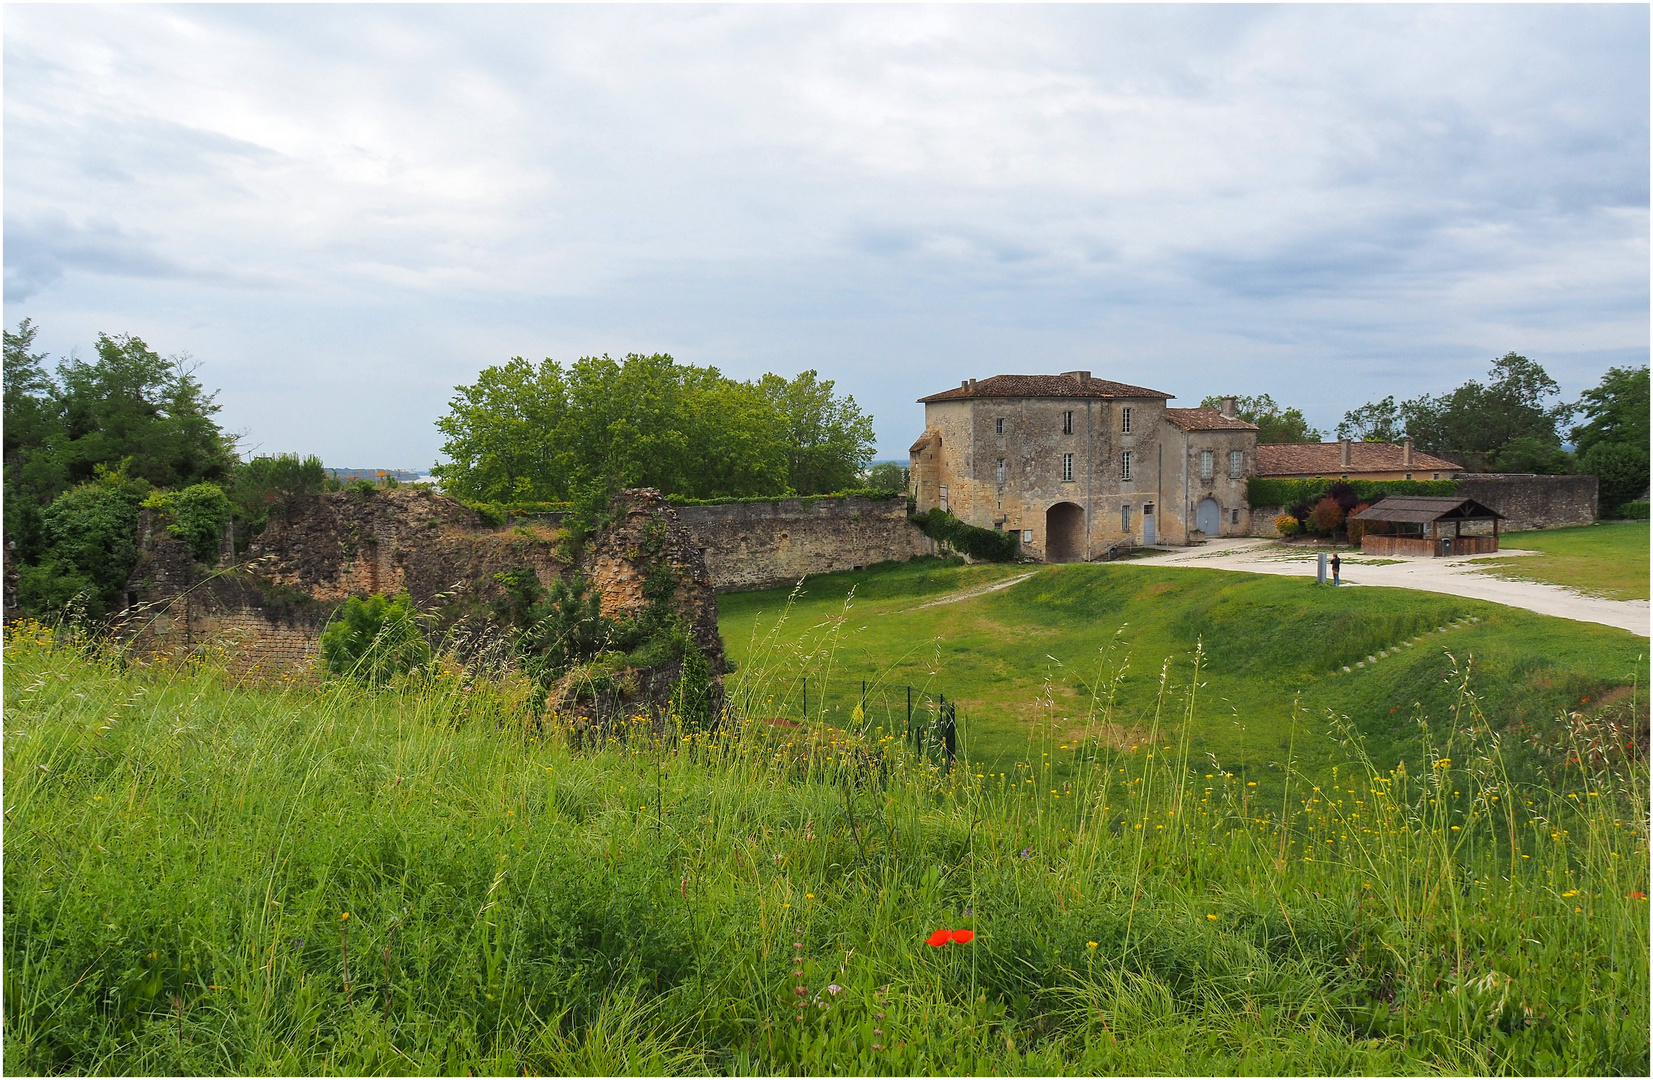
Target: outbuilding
x: 1412, y: 525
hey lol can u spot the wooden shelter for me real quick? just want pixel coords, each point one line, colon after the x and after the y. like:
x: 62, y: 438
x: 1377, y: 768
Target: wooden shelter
x: 1411, y: 525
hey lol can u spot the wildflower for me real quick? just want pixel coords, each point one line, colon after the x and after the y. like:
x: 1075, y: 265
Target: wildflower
x: 1637, y: 896
x: 834, y: 989
x: 344, y: 916
x: 1027, y: 853
x: 1569, y: 892
x: 1090, y: 944
x: 1213, y: 918
x: 943, y: 937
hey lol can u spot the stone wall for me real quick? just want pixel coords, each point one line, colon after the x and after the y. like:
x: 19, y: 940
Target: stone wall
x: 761, y: 544
x: 1533, y: 502
x: 1526, y: 500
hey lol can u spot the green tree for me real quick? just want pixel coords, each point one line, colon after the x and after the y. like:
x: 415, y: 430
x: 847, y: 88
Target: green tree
x: 1479, y: 419
x: 270, y: 484
x: 375, y: 639
x: 888, y: 476
x: 1375, y: 421
x: 1275, y: 423
x: 132, y: 403
x: 199, y: 514
x: 33, y: 431
x: 828, y: 439
x: 522, y: 433
x: 1612, y: 443
x: 1526, y: 454
x: 89, y: 545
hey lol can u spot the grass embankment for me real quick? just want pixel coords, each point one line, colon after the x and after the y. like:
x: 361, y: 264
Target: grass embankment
x: 201, y: 879
x: 1049, y: 654
x: 1609, y: 559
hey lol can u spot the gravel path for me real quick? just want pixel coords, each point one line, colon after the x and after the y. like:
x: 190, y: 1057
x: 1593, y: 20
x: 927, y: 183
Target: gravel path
x: 1454, y: 576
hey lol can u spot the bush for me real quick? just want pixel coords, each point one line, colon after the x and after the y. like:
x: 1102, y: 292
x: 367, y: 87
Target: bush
x: 199, y: 514
x: 1357, y: 529
x: 1326, y: 516
x: 977, y: 543
x: 1286, y: 525
x: 1635, y: 510
x: 89, y: 539
x: 375, y: 640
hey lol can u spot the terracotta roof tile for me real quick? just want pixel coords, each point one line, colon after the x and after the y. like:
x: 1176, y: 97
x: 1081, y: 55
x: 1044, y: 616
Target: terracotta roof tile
x: 1205, y: 419
x: 1070, y: 385
x: 1326, y: 459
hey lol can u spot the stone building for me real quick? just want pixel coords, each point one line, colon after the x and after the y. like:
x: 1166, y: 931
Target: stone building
x: 1350, y: 460
x: 1077, y: 464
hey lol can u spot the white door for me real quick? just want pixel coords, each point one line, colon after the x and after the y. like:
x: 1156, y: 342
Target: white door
x: 1208, y: 519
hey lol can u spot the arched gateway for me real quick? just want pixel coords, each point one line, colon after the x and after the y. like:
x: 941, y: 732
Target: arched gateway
x: 1064, y: 533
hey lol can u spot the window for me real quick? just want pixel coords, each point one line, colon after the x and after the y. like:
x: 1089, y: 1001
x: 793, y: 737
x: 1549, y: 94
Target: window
x: 1437, y: 476
x: 1001, y: 470
x: 1125, y: 519
x: 1067, y: 467
x: 1125, y: 419
x: 1234, y: 516
x: 1207, y: 468
x: 944, y: 496
x: 1067, y: 422
x: 1125, y: 466
x: 1236, y: 464
x: 998, y: 426
x: 1147, y: 509
x: 1027, y: 536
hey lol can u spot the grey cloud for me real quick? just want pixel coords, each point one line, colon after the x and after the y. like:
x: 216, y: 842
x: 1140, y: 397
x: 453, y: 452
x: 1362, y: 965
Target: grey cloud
x: 39, y: 251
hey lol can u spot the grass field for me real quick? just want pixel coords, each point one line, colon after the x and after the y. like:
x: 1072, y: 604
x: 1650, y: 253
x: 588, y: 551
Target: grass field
x: 1607, y: 559
x: 1082, y: 649
x: 201, y: 879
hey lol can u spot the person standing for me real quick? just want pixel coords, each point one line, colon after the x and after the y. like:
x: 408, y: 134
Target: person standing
x: 1337, y: 566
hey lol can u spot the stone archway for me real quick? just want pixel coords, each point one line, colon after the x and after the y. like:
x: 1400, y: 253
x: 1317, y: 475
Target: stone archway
x: 1064, y: 533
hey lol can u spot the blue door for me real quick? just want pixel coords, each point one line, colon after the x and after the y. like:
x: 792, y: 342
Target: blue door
x: 1208, y: 518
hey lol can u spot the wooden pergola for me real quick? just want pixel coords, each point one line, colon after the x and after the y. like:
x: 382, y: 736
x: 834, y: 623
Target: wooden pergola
x: 1411, y: 525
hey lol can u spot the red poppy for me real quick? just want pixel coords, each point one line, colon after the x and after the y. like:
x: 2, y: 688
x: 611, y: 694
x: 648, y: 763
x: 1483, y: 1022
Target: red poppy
x: 943, y: 937
x: 1638, y: 896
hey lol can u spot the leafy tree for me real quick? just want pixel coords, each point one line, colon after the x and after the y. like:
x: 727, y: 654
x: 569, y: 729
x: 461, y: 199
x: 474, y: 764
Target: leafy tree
x: 89, y: 545
x: 1275, y: 424
x: 373, y: 640
x: 1612, y: 444
x: 888, y: 476
x: 1375, y: 421
x: 34, y: 474
x: 1326, y: 517
x: 828, y: 438
x: 267, y: 484
x: 524, y: 433
x: 1527, y: 454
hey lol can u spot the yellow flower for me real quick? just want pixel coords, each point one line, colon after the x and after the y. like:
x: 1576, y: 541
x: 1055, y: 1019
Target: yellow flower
x: 1090, y: 944
x: 1570, y: 892
x: 344, y: 916
x: 1213, y: 918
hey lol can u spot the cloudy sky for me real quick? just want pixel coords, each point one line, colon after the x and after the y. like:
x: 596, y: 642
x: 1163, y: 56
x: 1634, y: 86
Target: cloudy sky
x: 341, y: 212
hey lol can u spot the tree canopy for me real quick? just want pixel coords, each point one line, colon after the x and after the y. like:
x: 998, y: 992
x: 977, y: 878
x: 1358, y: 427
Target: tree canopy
x: 1511, y: 414
x: 525, y: 432
x: 1275, y: 423
x: 1612, y: 444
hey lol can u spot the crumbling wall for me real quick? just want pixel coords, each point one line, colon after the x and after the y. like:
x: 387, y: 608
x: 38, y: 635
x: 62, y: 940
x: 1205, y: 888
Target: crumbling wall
x: 755, y: 545
x: 266, y: 613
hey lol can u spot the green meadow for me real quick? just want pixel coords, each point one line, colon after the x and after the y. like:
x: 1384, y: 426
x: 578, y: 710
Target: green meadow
x: 1181, y: 840
x: 1090, y: 652
x: 1609, y: 558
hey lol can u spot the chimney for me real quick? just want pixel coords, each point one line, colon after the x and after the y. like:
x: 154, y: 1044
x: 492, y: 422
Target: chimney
x: 964, y: 384
x: 1346, y: 451
x: 1080, y: 377
x: 1230, y: 405
x: 972, y: 384
x: 1406, y: 454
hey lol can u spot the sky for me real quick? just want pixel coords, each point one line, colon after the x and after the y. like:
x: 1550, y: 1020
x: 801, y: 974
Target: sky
x: 340, y: 213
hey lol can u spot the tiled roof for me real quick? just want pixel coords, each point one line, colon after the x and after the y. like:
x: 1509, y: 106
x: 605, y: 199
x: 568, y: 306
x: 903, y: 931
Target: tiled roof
x: 1326, y: 459
x: 1074, y: 384
x: 1206, y: 420
x: 923, y: 441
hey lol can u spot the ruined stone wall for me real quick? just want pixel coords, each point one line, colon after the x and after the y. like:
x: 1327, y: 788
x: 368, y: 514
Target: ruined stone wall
x: 756, y: 545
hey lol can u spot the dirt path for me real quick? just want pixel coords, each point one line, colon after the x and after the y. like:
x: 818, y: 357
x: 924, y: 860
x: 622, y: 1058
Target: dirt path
x: 1457, y: 576
x: 963, y: 594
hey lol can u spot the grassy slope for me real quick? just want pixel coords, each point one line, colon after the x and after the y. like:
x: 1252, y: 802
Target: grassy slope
x: 1609, y: 559
x: 181, y: 859
x: 1035, y: 662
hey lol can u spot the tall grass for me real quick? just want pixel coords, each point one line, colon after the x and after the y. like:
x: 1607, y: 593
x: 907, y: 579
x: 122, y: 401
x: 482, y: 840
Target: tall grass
x: 205, y: 878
